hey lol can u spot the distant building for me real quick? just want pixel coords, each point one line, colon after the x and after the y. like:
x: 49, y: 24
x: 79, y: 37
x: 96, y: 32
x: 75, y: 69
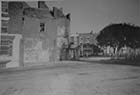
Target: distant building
x: 86, y: 43
x: 74, y: 47
x: 74, y: 40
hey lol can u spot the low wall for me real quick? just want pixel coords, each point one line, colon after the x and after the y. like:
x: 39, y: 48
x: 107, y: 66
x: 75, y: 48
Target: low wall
x: 10, y: 47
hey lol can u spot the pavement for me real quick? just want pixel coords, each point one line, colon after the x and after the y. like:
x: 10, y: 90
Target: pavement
x: 95, y: 58
x: 71, y: 78
x: 42, y: 66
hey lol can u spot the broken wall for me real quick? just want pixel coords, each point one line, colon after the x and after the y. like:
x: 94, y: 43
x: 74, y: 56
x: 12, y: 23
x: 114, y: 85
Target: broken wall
x: 39, y: 46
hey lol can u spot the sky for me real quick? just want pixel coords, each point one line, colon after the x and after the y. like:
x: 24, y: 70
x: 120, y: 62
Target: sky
x: 87, y: 15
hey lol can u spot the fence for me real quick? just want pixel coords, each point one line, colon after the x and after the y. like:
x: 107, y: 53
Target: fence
x: 10, y: 50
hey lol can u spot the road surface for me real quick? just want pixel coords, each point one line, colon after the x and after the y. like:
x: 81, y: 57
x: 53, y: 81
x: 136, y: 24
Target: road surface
x: 77, y: 79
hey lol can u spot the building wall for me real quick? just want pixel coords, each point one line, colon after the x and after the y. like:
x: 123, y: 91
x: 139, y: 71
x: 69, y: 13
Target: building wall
x: 4, y: 17
x: 86, y: 40
x: 16, y: 13
x: 74, y: 47
x: 41, y: 42
x: 63, y: 31
x: 39, y: 47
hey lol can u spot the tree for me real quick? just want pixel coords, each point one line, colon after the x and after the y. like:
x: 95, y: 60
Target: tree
x: 110, y: 36
x: 120, y: 35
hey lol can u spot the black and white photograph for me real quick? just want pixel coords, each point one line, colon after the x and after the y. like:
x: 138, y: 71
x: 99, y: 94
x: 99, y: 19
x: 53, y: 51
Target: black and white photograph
x: 70, y: 47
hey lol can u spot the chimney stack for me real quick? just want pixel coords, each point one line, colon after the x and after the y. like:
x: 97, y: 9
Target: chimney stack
x: 41, y: 4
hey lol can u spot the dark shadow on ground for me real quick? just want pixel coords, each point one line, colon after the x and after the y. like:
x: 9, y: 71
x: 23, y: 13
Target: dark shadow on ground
x: 135, y: 62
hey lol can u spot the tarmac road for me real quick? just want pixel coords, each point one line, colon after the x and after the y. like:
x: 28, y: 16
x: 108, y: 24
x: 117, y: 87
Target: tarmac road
x: 77, y: 79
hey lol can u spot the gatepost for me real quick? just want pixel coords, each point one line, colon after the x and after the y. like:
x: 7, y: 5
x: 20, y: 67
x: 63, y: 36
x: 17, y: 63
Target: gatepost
x: 17, y: 52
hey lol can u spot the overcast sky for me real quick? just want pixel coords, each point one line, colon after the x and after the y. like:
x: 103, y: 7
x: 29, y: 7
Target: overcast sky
x: 87, y: 15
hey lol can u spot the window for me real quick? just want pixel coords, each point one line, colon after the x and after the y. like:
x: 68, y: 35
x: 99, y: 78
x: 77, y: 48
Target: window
x: 22, y: 18
x: 5, y: 10
x: 42, y: 27
x: 4, y: 6
x: 4, y: 23
x: 39, y: 3
x: 4, y: 30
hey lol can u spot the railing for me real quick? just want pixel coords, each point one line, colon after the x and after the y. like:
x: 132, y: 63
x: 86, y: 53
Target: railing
x: 6, y: 47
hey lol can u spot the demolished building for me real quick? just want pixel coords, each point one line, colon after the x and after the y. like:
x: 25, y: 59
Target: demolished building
x: 43, y: 31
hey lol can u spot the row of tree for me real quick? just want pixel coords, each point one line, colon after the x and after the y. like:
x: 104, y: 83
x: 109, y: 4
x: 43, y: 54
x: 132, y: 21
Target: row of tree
x: 120, y: 35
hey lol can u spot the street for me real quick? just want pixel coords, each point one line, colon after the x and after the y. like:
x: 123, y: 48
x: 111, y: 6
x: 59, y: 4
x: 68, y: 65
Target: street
x: 76, y: 79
